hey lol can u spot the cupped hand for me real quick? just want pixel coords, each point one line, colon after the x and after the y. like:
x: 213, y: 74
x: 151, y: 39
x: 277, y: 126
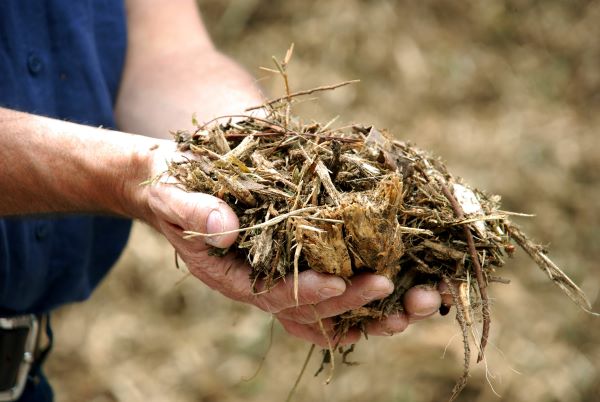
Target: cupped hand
x: 320, y: 296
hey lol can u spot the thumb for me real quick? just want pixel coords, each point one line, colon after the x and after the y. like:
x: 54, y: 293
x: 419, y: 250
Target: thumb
x: 196, y: 212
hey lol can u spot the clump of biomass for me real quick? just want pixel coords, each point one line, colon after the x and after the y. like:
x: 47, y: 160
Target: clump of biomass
x: 349, y: 200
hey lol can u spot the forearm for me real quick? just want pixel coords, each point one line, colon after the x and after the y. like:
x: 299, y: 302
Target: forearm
x: 52, y: 166
x: 173, y: 73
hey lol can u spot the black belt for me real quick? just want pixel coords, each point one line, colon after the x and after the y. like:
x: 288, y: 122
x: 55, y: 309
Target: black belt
x: 19, y: 337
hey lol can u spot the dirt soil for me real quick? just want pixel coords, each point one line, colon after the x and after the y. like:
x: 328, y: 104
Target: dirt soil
x: 507, y: 92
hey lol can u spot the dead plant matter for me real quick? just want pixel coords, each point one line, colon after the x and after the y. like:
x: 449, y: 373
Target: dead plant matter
x: 351, y: 200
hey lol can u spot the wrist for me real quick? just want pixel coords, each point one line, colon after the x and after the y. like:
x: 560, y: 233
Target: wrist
x: 147, y: 160
x: 77, y: 168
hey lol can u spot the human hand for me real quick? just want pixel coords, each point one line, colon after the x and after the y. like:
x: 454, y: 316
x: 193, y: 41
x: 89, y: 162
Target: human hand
x: 320, y: 296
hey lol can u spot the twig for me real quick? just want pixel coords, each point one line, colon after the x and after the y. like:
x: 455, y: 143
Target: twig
x: 300, y: 93
x: 244, y: 116
x: 329, y: 346
x: 482, y: 218
x: 296, y: 270
x: 416, y: 231
x: 232, y: 136
x: 499, y: 279
x: 460, y: 317
x: 485, y: 308
x: 421, y: 265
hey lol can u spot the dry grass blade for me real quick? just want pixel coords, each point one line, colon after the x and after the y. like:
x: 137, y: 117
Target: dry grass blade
x: 189, y: 234
x: 555, y: 274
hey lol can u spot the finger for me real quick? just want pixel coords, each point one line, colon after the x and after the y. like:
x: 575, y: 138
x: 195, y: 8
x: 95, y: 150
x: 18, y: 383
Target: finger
x: 313, y: 333
x: 393, y: 324
x: 313, y: 288
x: 227, y: 274
x: 231, y: 276
x: 421, y: 301
x: 363, y: 289
x: 197, y: 212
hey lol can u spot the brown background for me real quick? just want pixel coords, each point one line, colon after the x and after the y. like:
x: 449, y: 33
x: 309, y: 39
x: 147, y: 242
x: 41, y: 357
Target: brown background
x: 507, y: 92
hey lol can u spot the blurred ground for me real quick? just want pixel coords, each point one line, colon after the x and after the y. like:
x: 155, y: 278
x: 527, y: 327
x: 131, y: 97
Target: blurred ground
x: 507, y: 92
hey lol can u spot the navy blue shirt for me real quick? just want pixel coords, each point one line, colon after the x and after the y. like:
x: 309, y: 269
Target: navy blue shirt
x: 62, y: 59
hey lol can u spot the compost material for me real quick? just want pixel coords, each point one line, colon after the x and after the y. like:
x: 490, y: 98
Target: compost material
x: 354, y: 199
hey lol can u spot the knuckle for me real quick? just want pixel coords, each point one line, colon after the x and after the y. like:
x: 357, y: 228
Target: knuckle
x: 264, y: 304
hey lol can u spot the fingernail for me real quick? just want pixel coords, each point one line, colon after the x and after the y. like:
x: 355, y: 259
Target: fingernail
x: 374, y: 294
x: 378, y: 293
x: 327, y: 292
x: 425, y: 311
x: 214, y: 224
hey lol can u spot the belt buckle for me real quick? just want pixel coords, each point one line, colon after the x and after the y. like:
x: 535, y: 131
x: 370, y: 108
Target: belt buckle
x: 30, y: 322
